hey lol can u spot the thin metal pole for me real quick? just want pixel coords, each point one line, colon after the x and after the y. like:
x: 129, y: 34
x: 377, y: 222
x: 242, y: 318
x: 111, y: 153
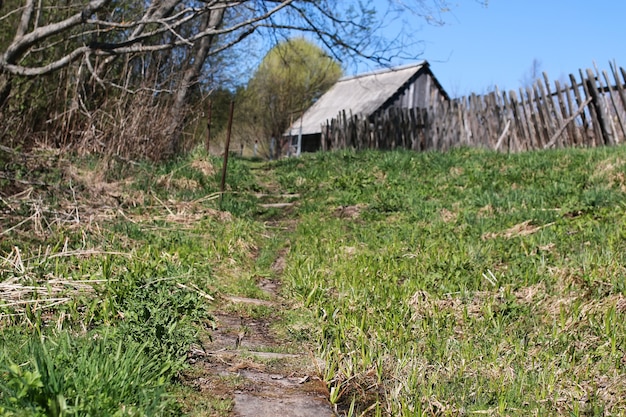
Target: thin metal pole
x: 230, y: 125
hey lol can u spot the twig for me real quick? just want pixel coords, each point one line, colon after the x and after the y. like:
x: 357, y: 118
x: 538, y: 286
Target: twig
x: 504, y: 132
x: 54, y: 300
x: 87, y: 252
x: 162, y: 203
x: 209, y: 197
x: 126, y: 217
x: 276, y: 205
x: 567, y: 122
x: 17, y: 225
x: 198, y: 290
x: 4, y: 176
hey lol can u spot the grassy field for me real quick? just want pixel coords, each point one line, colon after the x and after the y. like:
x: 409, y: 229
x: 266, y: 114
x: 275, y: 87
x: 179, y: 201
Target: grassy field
x: 465, y: 283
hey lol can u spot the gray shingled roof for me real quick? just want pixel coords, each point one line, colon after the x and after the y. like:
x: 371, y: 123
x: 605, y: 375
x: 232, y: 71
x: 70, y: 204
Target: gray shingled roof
x: 360, y: 94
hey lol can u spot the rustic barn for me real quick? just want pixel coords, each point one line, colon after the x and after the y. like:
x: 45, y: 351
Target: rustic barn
x: 410, y: 86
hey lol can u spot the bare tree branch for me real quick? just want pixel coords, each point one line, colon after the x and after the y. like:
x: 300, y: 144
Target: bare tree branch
x: 23, y: 42
x: 25, y: 21
x: 166, y: 45
x: 51, y: 67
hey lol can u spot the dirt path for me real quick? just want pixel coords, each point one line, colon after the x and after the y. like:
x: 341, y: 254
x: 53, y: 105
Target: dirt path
x: 248, y: 371
x: 271, y: 383
x: 245, y: 369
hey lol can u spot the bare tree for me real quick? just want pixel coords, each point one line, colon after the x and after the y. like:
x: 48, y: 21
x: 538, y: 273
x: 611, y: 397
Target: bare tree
x: 532, y: 74
x: 91, y: 36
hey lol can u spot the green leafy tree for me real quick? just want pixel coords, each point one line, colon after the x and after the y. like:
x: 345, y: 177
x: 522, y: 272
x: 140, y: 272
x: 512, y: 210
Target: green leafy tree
x: 289, y: 79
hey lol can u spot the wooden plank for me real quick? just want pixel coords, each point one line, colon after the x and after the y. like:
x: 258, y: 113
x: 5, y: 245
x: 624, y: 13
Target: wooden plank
x: 424, y: 133
x: 474, y: 118
x: 430, y: 115
x: 535, y: 117
x: 548, y: 112
x: 602, y: 117
x: 368, y: 128
x: 456, y: 131
x: 387, y: 132
x: 434, y: 129
x: 466, y: 132
x: 620, y: 86
x: 520, y: 126
x: 527, y: 115
x: 579, y: 102
x: 558, y: 115
x: 460, y: 120
x: 577, y: 137
x: 500, y: 119
x: 485, y: 119
x: 605, y: 103
x: 451, y: 132
x: 361, y: 139
x: 614, y: 100
x: 412, y: 127
x: 569, y: 139
x: 442, y: 130
x: 620, y: 89
x: 404, y: 116
x: 510, y: 118
x: 493, y: 115
x: 565, y: 123
x: 541, y: 117
x: 597, y: 139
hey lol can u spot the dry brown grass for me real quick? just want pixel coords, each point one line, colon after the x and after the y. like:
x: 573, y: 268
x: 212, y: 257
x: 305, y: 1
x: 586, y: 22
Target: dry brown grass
x: 83, y: 208
x: 23, y: 290
x: 612, y: 171
x: 522, y: 229
x: 349, y: 212
x: 448, y: 216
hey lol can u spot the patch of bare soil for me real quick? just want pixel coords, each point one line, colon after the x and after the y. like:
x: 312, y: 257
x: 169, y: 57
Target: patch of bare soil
x: 349, y: 212
x: 246, y: 366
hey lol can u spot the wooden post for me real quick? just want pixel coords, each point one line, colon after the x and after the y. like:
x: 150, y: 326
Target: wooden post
x: 509, y: 111
x: 614, y: 102
x: 607, y: 134
x: 595, y: 124
x: 520, y: 112
x: 620, y: 90
x: 565, y: 115
x: 555, y: 106
x: 520, y: 124
x: 579, y: 100
x: 533, y: 112
x: 606, y: 105
x: 583, y: 116
x: 545, y: 110
x: 620, y: 86
x: 576, y: 137
x: 226, y: 150
x: 208, y: 127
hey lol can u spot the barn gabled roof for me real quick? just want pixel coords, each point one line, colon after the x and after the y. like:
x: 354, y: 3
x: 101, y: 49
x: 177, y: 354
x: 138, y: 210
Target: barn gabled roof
x: 360, y: 94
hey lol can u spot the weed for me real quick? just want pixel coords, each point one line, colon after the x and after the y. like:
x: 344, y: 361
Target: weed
x: 80, y: 376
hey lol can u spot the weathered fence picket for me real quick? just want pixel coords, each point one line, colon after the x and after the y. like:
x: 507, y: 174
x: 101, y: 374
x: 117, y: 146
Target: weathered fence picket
x: 590, y: 111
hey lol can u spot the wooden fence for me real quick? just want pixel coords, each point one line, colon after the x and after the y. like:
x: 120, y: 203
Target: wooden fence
x: 587, y: 111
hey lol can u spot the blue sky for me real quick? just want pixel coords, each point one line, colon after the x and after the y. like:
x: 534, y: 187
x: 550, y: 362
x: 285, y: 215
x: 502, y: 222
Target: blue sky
x: 479, y: 47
